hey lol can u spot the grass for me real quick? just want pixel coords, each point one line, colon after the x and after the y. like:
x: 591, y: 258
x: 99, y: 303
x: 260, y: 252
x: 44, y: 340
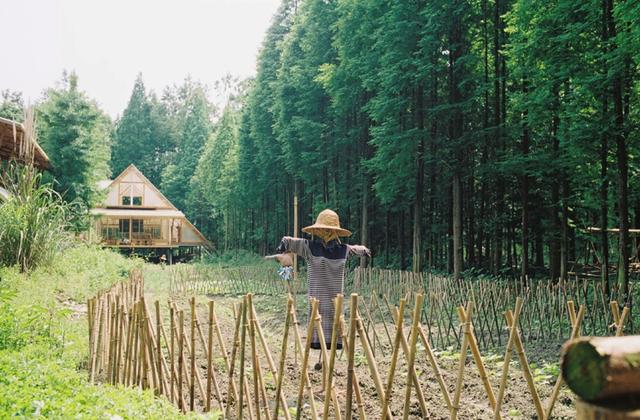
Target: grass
x: 43, y: 342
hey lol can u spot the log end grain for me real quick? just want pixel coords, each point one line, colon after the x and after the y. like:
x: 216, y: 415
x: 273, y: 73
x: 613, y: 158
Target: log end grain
x: 583, y: 369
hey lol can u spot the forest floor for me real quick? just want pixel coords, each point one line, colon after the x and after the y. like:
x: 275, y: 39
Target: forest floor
x: 474, y: 403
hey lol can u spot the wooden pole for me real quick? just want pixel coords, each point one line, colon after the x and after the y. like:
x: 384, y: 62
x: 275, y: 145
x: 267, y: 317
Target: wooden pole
x: 575, y: 332
x: 394, y: 357
x: 173, y: 353
x: 507, y: 356
x: 209, y: 359
x: 305, y: 362
x: 243, y: 338
x: 181, y: 359
x: 254, y: 357
x: 351, y: 354
x: 305, y: 377
x: 159, y: 349
x: 283, y: 353
x: 356, y: 385
x: 192, y: 391
x: 329, y: 389
x: 412, y: 353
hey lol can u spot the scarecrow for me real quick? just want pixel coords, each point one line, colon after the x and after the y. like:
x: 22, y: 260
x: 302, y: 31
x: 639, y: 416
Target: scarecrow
x: 326, y: 259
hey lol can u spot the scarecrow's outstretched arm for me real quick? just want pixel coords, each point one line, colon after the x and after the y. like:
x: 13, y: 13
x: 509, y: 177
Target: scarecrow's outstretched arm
x: 359, y: 250
x: 298, y: 246
x: 285, y: 260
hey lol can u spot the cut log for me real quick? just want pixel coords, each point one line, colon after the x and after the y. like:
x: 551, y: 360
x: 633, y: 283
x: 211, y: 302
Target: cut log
x: 598, y: 368
x: 617, y: 411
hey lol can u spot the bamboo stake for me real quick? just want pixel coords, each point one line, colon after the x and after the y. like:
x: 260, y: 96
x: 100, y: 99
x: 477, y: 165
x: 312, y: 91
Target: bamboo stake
x: 356, y: 385
x: 173, y: 352
x: 575, y: 333
x: 96, y: 344
x: 159, y: 349
x: 384, y: 322
x: 473, y: 344
x: 254, y: 357
x: 466, y: 324
x: 414, y: 374
x: 329, y: 389
x: 283, y: 352
x: 181, y: 359
x: 351, y: 354
x: 394, y: 357
x: 236, y: 345
x: 371, y: 362
x: 325, y: 357
x: 243, y: 333
x: 507, y: 356
x: 436, y: 368
x: 305, y: 362
x: 412, y: 353
x: 524, y: 363
x: 192, y: 392
x: 298, y: 342
x: 270, y: 362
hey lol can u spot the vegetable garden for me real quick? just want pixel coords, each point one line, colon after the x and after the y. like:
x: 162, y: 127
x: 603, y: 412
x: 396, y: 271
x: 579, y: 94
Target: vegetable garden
x: 414, y: 345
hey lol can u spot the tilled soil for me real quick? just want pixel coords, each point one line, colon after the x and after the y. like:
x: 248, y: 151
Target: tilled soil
x: 474, y: 403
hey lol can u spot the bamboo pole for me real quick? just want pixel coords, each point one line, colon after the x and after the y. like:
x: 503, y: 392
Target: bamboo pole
x: 181, y: 359
x: 254, y: 357
x: 351, y: 354
x: 329, y: 389
x: 325, y: 357
x: 243, y: 337
x: 466, y: 325
x: 575, y: 333
x: 356, y: 385
x: 192, y: 391
x: 477, y: 357
x: 283, y: 353
x: 270, y: 362
x: 436, y: 368
x: 394, y: 357
x: 412, y: 353
x: 371, y: 362
x: 524, y: 363
x: 173, y: 353
x: 405, y: 348
x: 507, y: 356
x: 304, y: 376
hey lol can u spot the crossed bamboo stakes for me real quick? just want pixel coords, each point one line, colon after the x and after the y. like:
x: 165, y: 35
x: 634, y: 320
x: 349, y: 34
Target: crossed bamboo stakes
x: 131, y: 346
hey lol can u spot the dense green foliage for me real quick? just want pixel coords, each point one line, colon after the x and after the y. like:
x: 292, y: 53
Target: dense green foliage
x: 76, y: 135
x: 450, y: 135
x: 43, y: 342
x: 12, y: 105
x: 33, y: 219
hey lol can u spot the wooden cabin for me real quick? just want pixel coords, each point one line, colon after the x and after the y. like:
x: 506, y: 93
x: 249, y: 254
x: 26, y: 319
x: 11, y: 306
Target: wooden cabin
x: 136, y: 215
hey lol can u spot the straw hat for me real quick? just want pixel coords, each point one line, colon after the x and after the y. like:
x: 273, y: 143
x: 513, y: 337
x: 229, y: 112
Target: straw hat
x: 327, y: 219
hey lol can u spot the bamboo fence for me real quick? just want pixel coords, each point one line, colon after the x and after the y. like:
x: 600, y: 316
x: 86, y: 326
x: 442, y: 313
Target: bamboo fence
x: 544, y: 317
x: 189, y: 362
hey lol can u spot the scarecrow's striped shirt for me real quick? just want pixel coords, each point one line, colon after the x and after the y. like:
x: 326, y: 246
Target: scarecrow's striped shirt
x: 325, y: 273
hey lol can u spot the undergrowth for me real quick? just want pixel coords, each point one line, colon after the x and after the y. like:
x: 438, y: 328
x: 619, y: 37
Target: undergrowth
x: 43, y: 341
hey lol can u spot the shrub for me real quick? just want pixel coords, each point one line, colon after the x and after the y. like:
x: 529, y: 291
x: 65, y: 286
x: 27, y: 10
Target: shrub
x: 33, y: 219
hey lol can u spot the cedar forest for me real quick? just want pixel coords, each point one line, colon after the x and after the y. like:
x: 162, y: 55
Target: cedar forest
x: 483, y: 135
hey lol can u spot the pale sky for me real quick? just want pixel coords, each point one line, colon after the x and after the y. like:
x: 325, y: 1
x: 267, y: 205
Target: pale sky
x: 108, y: 42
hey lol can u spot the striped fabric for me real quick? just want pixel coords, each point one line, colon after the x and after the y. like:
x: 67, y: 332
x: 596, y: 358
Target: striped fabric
x: 325, y: 273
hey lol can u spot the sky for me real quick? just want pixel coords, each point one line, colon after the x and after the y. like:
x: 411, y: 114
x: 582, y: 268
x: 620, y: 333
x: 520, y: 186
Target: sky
x: 108, y: 42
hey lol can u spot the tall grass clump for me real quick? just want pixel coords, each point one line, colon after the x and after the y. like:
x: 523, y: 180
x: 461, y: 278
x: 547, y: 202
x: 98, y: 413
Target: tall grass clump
x: 33, y: 219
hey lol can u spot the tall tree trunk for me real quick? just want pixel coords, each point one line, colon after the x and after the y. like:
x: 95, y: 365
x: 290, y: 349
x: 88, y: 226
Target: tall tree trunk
x: 499, y: 181
x: 554, y: 251
x: 365, y: 218
x: 525, y: 189
x: 419, y: 185
x: 621, y: 155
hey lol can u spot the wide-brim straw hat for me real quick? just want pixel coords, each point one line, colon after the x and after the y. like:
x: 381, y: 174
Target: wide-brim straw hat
x: 327, y: 219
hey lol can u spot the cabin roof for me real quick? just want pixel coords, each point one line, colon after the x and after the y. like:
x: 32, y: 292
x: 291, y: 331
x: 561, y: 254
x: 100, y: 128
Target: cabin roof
x: 12, y: 141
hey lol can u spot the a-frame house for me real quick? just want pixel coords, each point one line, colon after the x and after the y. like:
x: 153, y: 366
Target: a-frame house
x: 135, y: 214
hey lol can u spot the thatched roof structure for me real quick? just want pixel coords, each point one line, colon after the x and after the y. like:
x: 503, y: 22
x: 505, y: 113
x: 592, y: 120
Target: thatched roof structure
x: 14, y: 144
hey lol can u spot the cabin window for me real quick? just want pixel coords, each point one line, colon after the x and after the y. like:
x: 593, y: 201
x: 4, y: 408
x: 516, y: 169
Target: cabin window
x: 131, y: 201
x: 137, y: 226
x: 124, y: 228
